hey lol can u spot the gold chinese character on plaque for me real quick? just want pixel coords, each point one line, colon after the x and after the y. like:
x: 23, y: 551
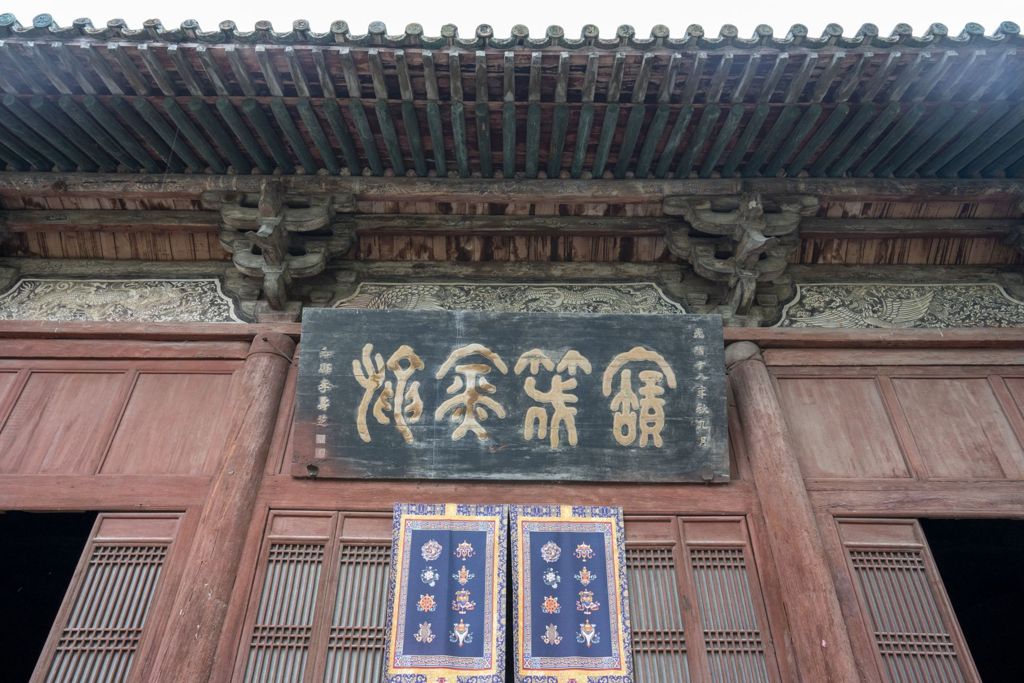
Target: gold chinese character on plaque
x: 638, y: 416
x: 401, y: 399
x: 470, y: 390
x: 558, y: 395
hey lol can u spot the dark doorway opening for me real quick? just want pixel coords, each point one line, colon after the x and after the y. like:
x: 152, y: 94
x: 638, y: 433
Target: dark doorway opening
x: 981, y: 562
x: 40, y: 552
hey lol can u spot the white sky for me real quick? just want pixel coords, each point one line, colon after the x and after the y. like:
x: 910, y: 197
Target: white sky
x: 538, y: 14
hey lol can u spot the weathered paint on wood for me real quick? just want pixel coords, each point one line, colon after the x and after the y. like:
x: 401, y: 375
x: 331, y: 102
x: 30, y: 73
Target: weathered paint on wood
x: 543, y: 400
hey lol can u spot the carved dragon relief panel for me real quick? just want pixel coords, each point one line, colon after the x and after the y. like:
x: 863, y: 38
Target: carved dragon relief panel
x: 141, y: 300
x: 851, y: 305
x: 635, y: 297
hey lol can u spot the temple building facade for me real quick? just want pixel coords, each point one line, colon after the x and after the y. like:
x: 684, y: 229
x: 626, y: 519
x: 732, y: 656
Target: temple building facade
x: 470, y: 358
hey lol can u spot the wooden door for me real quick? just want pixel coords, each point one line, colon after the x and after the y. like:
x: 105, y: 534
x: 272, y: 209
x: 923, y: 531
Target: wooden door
x: 109, y: 604
x: 903, y: 603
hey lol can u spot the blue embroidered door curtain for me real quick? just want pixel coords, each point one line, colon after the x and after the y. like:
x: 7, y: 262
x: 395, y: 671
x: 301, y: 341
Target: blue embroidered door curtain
x: 446, y: 594
x: 570, y: 607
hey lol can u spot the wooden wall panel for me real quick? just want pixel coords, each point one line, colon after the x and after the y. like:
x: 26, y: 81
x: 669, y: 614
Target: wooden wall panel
x: 173, y: 424
x: 829, y: 419
x: 960, y: 428
x: 7, y: 380
x: 1016, y: 387
x: 61, y: 422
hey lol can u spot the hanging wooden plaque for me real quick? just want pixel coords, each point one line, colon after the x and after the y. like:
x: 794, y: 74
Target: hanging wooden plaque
x: 525, y: 396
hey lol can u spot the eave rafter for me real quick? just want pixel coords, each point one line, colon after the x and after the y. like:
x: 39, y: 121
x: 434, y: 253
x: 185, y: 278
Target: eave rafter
x: 230, y: 102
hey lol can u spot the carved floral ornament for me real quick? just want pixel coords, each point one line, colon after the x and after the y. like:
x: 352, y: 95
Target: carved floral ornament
x: 632, y: 297
x: 851, y: 305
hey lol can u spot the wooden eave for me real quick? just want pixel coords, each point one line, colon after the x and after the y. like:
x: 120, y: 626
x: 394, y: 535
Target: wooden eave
x: 865, y: 223
x: 233, y: 103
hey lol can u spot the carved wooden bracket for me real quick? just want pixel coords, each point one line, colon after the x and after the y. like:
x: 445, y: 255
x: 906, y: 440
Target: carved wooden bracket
x: 281, y: 237
x: 741, y: 240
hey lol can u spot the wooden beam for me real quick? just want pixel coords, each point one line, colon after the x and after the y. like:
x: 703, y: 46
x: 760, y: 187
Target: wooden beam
x: 725, y: 135
x: 513, y: 224
x: 652, y: 135
x: 718, y: 80
x: 128, y: 69
x: 119, y: 133
x: 73, y: 67
x: 478, y: 190
x: 610, y: 122
x: 243, y: 135
x: 586, y: 120
x: 508, y: 115
x: 1001, y: 133
x: 458, y: 114
x: 818, y: 228
x: 410, y: 121
x: 383, y: 110
x: 47, y: 65
x: 355, y: 105
x: 482, y: 114
x: 130, y: 115
x: 332, y: 112
x: 292, y: 135
x: 212, y: 125
x: 25, y: 134
x: 36, y: 121
x: 893, y: 138
x: 768, y: 87
x: 170, y: 136
x: 708, y: 118
x: 212, y: 70
x: 434, y: 123
x: 560, y: 117
x: 312, y: 125
x: 100, y: 67
x: 865, y: 139
x: 779, y: 130
x: 750, y: 131
x: 295, y: 69
x: 800, y: 131
x: 533, y: 117
x: 97, y: 219
x: 836, y: 146
x: 635, y: 120
x: 184, y: 69
x: 266, y: 62
x: 191, y: 133
x: 823, y: 133
x: 240, y: 71
x: 863, y: 228
x: 675, y: 138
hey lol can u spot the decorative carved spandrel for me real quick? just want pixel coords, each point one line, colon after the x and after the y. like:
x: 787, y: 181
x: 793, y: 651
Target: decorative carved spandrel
x: 741, y: 240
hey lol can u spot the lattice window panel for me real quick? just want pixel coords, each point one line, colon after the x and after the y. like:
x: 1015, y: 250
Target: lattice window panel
x: 355, y: 645
x: 659, y: 644
x: 732, y: 635
x: 912, y: 639
x: 281, y: 634
x: 96, y: 635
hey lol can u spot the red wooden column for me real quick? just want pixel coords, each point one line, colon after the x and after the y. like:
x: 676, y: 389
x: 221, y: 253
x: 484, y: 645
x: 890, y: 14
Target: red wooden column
x: 819, y: 636
x: 190, y: 642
